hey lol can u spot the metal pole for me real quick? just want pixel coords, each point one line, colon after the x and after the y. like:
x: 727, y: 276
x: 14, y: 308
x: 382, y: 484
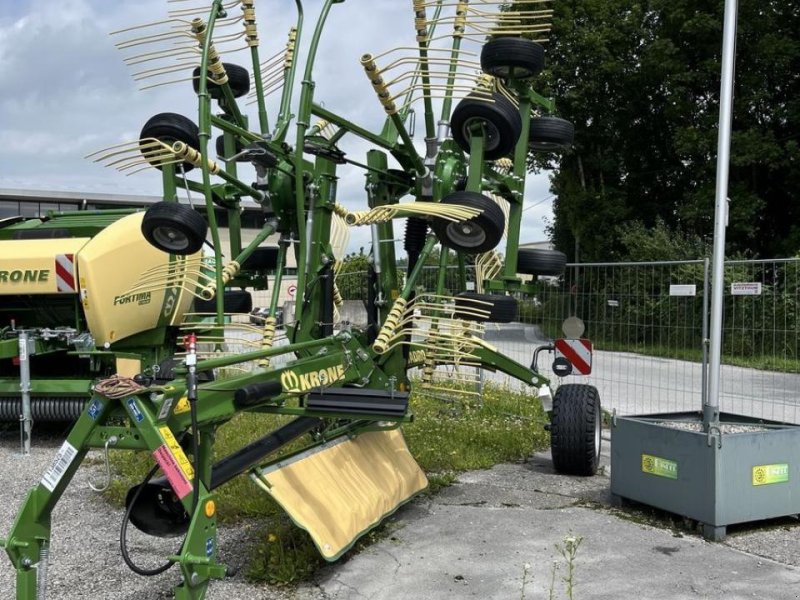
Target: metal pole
x: 711, y: 412
x: 704, y: 365
x: 25, y: 388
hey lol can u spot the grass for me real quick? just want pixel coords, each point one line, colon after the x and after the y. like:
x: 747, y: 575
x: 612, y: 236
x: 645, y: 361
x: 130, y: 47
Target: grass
x: 447, y: 437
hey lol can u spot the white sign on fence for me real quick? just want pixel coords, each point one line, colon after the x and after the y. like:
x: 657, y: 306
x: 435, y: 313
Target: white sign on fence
x: 746, y: 289
x: 683, y: 290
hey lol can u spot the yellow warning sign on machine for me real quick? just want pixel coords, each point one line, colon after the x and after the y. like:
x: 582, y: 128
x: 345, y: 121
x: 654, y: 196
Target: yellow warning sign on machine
x: 176, y: 450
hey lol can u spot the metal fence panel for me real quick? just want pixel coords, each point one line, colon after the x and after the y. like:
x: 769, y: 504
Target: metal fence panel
x: 646, y: 323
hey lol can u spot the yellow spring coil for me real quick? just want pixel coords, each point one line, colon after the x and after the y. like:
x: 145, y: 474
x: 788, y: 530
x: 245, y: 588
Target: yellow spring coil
x: 374, y: 75
x: 290, y: 48
x: 390, y: 326
x: 420, y: 21
x: 337, y: 296
x: 229, y: 271
x: 218, y: 73
x: 190, y: 155
x: 215, y: 66
x: 427, y: 369
x: 376, y: 215
x: 250, y: 29
x: 267, y: 336
x: 340, y: 210
x: 199, y: 29
x: 461, y: 19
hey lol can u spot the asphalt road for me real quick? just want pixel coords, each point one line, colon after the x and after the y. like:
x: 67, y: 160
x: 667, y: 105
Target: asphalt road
x: 635, y: 384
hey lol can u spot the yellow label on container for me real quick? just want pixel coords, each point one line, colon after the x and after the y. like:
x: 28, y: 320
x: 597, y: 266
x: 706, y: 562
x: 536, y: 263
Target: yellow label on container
x: 659, y: 466
x: 177, y: 451
x: 766, y: 474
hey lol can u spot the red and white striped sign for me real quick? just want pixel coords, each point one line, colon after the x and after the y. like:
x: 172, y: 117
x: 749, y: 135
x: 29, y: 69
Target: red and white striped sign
x: 65, y: 273
x: 578, y: 353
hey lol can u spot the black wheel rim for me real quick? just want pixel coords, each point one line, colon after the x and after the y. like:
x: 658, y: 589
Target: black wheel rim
x: 491, y: 134
x: 170, y: 238
x: 466, y: 234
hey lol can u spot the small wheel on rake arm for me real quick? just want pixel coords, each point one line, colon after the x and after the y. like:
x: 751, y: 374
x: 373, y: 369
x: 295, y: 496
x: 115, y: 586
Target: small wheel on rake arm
x: 501, y: 121
x: 540, y: 261
x: 169, y: 128
x: 473, y: 236
x: 174, y: 228
x: 238, y: 80
x: 550, y: 134
x: 512, y: 58
x: 575, y: 429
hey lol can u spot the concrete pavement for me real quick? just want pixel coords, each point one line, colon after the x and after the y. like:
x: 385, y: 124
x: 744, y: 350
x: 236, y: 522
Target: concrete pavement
x: 474, y: 540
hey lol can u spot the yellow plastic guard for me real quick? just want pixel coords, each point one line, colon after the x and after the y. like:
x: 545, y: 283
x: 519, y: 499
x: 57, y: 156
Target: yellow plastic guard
x: 339, y: 491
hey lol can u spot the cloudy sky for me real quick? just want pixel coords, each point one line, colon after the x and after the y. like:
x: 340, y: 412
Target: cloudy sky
x: 66, y: 91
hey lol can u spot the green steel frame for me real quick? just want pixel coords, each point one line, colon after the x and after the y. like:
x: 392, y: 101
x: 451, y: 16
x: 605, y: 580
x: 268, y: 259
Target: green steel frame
x: 302, y: 195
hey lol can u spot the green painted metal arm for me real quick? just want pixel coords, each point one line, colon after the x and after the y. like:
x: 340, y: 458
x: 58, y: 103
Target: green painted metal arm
x: 281, y: 127
x: 204, y: 102
x: 303, y: 118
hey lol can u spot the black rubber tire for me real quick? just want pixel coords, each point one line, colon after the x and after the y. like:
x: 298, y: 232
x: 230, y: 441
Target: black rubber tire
x: 416, y: 233
x: 238, y: 79
x: 512, y: 58
x: 174, y: 228
x: 235, y: 301
x: 473, y: 236
x: 550, y: 134
x: 504, y: 309
x: 575, y: 429
x: 169, y: 128
x: 262, y: 259
x: 502, y: 122
x: 220, y: 148
x: 534, y: 261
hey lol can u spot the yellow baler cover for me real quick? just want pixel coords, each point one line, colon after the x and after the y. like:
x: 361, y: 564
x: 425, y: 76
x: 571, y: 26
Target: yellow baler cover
x: 39, y: 266
x: 110, y: 266
x: 340, y: 490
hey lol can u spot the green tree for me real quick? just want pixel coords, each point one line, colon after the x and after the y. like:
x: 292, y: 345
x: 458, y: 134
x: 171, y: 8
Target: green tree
x: 640, y: 81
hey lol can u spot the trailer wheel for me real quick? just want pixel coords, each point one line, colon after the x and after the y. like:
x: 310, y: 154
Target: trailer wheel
x: 503, y: 309
x: 575, y: 428
x: 174, y: 228
x: 512, y: 58
x: 550, y: 134
x: 501, y: 121
x: 473, y: 236
x: 169, y: 128
x: 238, y: 79
x: 533, y: 261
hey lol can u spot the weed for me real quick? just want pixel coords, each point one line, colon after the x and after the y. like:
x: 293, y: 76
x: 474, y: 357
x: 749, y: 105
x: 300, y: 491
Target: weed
x: 569, y: 551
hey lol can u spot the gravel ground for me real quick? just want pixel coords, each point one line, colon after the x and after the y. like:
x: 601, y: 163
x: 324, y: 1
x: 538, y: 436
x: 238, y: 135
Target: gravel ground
x: 85, y: 561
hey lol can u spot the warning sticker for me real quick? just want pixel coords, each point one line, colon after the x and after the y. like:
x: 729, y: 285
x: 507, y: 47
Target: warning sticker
x: 175, y: 475
x: 62, y: 461
x: 182, y: 406
x: 177, y: 451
